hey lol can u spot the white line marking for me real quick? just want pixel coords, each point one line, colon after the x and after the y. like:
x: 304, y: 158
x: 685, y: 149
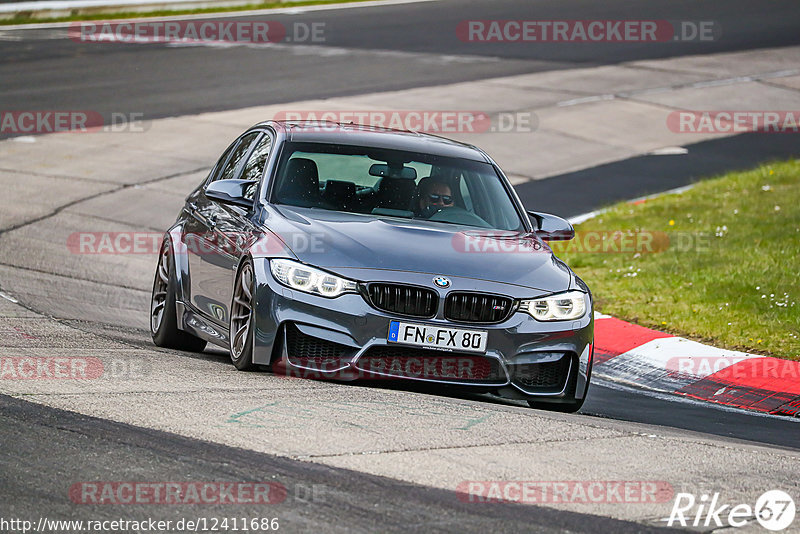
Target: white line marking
x: 584, y: 217
x: 724, y: 81
x: 9, y: 297
x: 669, y: 151
x: 592, y: 214
x: 585, y: 100
x: 333, y: 51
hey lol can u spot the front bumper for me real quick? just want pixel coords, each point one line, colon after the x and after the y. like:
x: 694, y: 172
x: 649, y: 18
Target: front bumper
x: 346, y: 339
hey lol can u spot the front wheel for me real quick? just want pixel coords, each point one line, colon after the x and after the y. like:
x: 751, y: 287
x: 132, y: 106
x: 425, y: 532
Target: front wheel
x: 163, y: 317
x: 241, y: 324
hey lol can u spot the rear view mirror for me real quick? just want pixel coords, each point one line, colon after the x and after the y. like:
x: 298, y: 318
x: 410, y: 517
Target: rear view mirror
x: 385, y: 171
x: 231, y: 192
x: 551, y: 227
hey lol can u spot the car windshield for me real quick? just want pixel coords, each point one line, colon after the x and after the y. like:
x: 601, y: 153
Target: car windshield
x: 394, y: 183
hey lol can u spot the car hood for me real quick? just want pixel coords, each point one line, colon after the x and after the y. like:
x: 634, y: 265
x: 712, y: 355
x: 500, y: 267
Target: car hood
x: 337, y: 240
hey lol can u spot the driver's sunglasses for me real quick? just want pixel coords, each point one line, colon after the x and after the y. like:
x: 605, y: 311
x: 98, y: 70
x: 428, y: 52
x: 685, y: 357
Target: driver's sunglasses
x: 445, y: 199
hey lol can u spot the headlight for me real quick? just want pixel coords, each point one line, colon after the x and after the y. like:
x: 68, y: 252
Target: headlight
x: 560, y: 307
x: 310, y: 280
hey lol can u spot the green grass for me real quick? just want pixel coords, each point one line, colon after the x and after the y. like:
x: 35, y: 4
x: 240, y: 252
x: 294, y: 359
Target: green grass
x: 23, y: 19
x: 730, y: 274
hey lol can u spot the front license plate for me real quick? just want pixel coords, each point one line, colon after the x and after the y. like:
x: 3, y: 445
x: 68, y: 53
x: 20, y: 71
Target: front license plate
x: 425, y: 335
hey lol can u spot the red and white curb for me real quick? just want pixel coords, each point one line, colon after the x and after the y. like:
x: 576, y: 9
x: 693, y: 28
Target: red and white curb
x: 646, y: 358
x: 654, y: 360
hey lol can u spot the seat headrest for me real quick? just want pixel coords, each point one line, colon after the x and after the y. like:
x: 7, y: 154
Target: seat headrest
x: 340, y: 190
x: 394, y: 193
x: 301, y: 181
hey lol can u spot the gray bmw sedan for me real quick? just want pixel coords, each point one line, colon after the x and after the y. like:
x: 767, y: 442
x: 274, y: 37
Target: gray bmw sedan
x: 348, y: 252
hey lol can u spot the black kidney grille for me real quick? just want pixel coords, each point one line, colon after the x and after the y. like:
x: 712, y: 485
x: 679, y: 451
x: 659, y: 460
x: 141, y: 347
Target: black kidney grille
x: 403, y: 300
x: 477, y: 308
x: 541, y: 375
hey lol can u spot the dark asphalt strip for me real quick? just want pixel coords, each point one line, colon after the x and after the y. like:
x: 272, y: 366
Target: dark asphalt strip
x: 440, y: 28
x: 45, y: 451
x: 611, y: 401
x: 363, y: 50
x: 590, y: 189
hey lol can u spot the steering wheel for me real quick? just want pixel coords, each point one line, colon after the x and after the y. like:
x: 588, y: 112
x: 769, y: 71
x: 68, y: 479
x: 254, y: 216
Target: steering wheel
x: 458, y: 215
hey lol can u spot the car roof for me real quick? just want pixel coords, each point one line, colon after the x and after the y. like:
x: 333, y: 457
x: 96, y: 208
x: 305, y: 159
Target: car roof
x: 372, y: 136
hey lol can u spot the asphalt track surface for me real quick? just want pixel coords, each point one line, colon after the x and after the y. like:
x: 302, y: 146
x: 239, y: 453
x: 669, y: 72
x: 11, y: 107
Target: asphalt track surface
x: 351, y: 502
x: 364, y: 50
x: 50, y: 72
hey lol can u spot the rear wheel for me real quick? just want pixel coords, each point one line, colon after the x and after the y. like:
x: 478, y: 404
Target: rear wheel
x: 241, y: 325
x: 163, y: 317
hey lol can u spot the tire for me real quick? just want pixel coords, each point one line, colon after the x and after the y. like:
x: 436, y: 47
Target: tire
x: 241, y: 323
x: 163, y: 317
x: 565, y: 407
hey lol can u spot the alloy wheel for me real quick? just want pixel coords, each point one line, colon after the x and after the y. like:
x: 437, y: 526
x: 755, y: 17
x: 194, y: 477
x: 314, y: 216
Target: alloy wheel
x: 241, y: 312
x: 159, y: 298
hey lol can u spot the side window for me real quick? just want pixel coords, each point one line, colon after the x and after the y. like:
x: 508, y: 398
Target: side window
x: 254, y: 168
x: 236, y: 158
x: 212, y: 176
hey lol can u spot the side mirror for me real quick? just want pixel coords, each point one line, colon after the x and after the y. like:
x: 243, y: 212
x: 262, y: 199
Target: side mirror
x: 551, y: 227
x: 231, y: 192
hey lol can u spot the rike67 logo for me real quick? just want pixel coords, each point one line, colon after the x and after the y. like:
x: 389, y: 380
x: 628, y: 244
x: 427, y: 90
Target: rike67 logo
x: 774, y: 510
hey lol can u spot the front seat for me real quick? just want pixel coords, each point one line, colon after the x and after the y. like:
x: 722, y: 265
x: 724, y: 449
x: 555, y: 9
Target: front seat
x: 300, y: 185
x: 341, y: 195
x: 394, y: 193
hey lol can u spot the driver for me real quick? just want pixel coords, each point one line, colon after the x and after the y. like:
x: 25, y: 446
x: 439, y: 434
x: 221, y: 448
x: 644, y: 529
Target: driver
x: 432, y: 196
